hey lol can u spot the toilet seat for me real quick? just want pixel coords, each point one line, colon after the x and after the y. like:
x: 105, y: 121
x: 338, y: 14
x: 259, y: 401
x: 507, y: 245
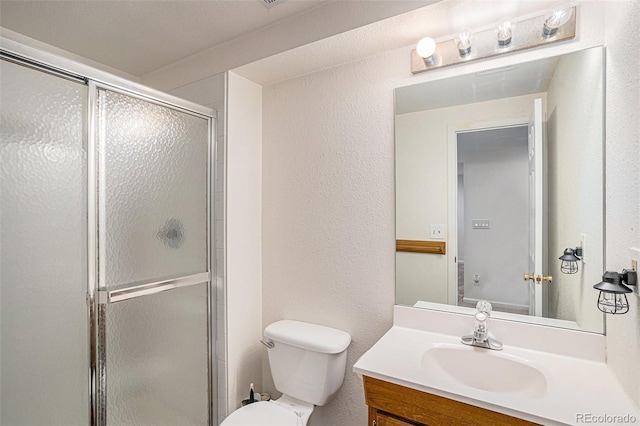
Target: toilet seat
x: 263, y: 413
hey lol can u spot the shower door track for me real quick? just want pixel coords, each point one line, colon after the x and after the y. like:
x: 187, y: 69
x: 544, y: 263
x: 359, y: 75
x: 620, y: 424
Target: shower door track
x: 97, y: 299
x: 70, y: 69
x: 40, y: 67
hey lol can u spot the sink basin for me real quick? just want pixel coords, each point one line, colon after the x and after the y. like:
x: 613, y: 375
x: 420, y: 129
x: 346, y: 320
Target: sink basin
x: 485, y: 370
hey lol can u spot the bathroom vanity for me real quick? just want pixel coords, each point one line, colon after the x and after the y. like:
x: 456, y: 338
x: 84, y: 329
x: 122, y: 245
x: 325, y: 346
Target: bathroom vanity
x: 420, y: 373
x: 395, y: 405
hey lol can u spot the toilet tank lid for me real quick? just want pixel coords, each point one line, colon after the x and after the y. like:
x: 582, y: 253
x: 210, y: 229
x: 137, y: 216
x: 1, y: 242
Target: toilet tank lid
x: 304, y: 335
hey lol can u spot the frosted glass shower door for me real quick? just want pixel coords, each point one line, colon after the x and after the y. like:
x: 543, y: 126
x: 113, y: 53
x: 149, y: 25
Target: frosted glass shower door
x: 153, y: 187
x: 153, y: 236
x: 44, y: 362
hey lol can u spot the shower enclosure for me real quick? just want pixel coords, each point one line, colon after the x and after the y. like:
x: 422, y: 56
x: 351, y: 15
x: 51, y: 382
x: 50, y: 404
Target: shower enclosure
x: 105, y: 260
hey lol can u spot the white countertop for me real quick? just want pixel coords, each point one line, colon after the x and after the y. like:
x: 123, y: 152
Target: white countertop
x: 578, y: 379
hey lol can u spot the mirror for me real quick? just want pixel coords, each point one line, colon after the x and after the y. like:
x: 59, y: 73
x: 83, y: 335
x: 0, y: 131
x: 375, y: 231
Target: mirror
x: 497, y: 173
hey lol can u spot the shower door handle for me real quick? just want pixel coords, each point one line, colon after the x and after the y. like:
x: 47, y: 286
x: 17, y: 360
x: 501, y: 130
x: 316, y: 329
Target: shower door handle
x: 112, y: 296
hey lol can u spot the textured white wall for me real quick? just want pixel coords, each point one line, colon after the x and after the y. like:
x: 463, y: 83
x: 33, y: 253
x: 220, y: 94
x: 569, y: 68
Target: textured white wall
x: 421, y: 200
x: 328, y: 210
x: 574, y: 130
x: 623, y: 181
x: 244, y: 237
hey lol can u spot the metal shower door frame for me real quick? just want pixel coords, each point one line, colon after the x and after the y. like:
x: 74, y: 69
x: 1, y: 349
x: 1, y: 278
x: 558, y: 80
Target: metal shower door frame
x: 97, y: 295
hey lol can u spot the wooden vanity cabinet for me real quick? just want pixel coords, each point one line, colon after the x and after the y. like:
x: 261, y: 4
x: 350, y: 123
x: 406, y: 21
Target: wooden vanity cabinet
x: 395, y: 405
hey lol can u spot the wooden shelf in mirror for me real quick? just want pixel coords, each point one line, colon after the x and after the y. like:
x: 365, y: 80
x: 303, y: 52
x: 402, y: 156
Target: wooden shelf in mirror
x: 419, y: 246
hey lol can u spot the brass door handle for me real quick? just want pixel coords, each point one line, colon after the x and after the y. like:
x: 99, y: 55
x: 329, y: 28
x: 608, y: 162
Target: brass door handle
x: 541, y: 278
x: 538, y: 278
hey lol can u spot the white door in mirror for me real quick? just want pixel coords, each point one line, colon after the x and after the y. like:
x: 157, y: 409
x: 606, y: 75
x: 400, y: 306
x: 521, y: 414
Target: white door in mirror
x: 536, y: 207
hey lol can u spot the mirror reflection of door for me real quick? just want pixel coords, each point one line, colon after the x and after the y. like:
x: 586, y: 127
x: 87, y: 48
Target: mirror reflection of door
x: 538, y: 290
x: 494, y: 229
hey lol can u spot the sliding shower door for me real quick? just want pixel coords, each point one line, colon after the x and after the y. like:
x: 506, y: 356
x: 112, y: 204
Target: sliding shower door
x: 44, y: 362
x: 105, y: 292
x: 153, y: 235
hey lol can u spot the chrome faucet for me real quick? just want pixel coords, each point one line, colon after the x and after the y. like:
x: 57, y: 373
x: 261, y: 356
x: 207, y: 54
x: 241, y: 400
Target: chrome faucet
x: 480, y: 336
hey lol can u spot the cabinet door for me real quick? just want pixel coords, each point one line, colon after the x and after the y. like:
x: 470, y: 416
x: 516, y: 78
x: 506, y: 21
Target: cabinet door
x: 380, y: 418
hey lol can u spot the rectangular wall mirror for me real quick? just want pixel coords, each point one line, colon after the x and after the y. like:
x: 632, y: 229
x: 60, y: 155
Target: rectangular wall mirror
x: 497, y: 173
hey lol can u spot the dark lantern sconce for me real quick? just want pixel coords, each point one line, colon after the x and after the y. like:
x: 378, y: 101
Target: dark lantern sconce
x: 613, y: 293
x: 570, y: 260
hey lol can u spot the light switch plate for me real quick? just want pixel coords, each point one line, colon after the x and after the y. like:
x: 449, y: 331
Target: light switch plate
x: 437, y: 232
x: 481, y: 223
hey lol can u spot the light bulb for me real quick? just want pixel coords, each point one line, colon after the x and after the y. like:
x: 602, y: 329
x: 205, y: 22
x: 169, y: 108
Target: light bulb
x: 463, y: 42
x: 558, y: 16
x: 504, y: 32
x: 426, y: 48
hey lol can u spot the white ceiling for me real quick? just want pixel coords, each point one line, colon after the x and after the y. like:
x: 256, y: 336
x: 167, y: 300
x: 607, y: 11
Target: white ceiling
x: 480, y: 140
x: 144, y: 36
x: 506, y: 82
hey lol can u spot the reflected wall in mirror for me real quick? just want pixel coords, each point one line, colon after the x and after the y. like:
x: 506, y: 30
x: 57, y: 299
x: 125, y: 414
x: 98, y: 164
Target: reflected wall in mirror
x: 505, y: 167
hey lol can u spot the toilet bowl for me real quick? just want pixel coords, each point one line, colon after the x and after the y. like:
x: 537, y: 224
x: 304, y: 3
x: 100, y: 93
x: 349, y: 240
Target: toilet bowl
x: 285, y: 411
x: 308, y: 363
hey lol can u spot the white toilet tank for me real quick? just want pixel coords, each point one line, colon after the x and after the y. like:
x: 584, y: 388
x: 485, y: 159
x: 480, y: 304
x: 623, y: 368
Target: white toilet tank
x: 308, y: 361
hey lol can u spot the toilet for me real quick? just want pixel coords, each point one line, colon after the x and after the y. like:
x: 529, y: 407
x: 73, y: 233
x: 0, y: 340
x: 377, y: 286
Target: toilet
x: 308, y: 363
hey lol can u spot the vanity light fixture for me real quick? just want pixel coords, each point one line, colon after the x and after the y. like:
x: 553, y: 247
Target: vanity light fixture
x: 557, y: 17
x: 570, y: 260
x: 510, y: 35
x: 613, y: 293
x: 504, y: 32
x: 426, y: 49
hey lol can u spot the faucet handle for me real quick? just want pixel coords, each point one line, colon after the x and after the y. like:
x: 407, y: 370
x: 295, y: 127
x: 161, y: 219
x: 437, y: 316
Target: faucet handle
x: 484, y: 306
x: 480, y: 329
